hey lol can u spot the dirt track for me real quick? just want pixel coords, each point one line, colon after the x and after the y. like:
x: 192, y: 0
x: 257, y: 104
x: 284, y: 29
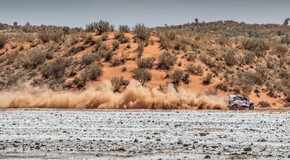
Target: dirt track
x: 91, y: 134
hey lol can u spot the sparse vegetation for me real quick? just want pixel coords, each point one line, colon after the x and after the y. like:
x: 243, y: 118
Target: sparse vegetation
x: 195, y: 70
x: 51, y: 36
x: 142, y: 32
x: 166, y: 60
x: 142, y: 75
x: 177, y: 76
x: 93, y: 71
x: 255, y: 45
x: 99, y: 27
x: 118, y: 82
x: 89, y: 58
x: 55, y: 69
x: 145, y: 62
x: 124, y: 28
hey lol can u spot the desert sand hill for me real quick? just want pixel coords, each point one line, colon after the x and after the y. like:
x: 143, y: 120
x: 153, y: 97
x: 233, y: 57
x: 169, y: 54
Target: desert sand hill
x: 210, y: 64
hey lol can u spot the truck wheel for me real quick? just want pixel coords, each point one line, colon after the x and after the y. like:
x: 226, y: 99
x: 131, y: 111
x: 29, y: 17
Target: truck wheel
x: 251, y: 107
x: 234, y: 107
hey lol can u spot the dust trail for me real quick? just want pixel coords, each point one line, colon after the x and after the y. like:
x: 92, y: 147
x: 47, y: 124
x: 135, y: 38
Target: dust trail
x: 135, y: 96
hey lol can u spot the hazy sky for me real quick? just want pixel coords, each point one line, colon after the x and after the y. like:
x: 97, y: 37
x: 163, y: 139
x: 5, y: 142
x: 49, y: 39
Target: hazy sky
x: 78, y: 13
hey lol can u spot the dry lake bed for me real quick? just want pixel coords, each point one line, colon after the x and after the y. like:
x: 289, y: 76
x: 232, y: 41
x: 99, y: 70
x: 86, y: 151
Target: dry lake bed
x: 103, y: 134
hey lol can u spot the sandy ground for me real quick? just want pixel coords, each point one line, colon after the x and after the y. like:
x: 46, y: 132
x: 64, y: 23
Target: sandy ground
x: 101, y: 134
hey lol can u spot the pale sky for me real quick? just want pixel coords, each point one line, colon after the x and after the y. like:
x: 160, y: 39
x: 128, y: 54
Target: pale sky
x: 78, y: 13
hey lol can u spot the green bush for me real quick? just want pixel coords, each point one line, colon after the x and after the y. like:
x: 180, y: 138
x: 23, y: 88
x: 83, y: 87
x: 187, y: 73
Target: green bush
x: 93, y: 71
x: 177, y: 76
x: 145, y: 62
x: 118, y: 82
x: 3, y: 40
x: 195, y: 70
x: 124, y: 28
x: 166, y: 60
x: 255, y: 45
x: 142, y: 32
x: 142, y: 75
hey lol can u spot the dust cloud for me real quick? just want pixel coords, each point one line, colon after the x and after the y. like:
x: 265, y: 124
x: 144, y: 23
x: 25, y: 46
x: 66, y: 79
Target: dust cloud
x: 135, y: 96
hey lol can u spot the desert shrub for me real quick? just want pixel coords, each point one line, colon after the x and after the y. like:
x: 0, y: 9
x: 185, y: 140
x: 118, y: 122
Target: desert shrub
x: 142, y: 75
x: 207, y: 79
x: 145, y: 62
x: 34, y: 58
x: 223, y: 41
x: 55, y: 69
x: 281, y: 50
x: 230, y: 58
x: 3, y: 40
x: 142, y: 32
x: 166, y: 60
x: 222, y: 87
x: 177, y: 76
x: 247, y: 80
x: 180, y: 45
x: 104, y: 36
x: 120, y: 36
x: 56, y: 36
x: 140, y: 50
x: 115, y: 45
x: 195, y: 70
x: 75, y: 50
x: 124, y: 28
x: 99, y: 27
x: 171, y: 35
x: 99, y: 44
x: 206, y: 60
x: 255, y: 45
x: 93, y: 71
x: 118, y: 82
x: 195, y: 45
x: 191, y: 57
x: 89, y: 58
x: 106, y: 54
x: 264, y: 104
x: 115, y: 61
x: 165, y: 43
x: 249, y: 57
